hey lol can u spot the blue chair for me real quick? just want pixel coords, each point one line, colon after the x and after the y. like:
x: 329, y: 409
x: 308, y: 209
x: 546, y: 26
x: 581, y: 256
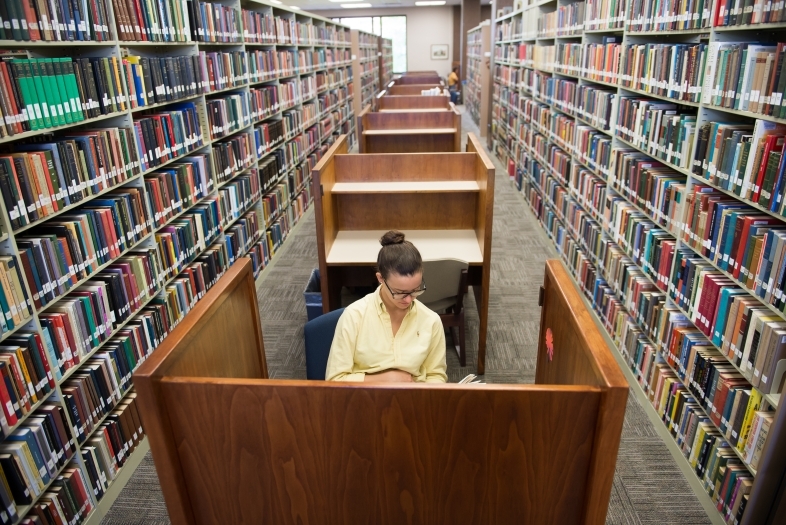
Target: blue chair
x: 319, y: 336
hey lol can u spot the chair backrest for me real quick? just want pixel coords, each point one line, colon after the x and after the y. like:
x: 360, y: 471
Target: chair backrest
x: 442, y: 278
x: 319, y: 337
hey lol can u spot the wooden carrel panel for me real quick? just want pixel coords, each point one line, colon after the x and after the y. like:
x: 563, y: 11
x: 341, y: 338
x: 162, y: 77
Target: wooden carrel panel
x: 425, y: 120
x: 297, y: 452
x: 323, y: 176
x: 408, y: 211
x: 418, y: 79
x: 414, y: 102
x: 436, y: 143
x: 414, y: 167
x: 220, y: 337
x: 411, y: 89
x: 581, y: 356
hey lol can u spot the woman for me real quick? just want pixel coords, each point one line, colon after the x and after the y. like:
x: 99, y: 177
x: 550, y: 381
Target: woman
x: 453, y: 81
x: 389, y: 336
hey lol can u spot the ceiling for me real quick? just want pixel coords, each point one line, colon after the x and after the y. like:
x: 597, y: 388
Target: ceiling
x: 316, y: 5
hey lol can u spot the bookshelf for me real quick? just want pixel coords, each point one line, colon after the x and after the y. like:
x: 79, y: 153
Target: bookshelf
x: 584, y: 136
x: 478, y: 87
x: 365, y: 69
x: 170, y: 186
x: 385, y: 61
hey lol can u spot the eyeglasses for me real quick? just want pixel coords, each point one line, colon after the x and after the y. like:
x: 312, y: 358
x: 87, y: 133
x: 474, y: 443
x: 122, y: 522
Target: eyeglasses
x: 401, y: 295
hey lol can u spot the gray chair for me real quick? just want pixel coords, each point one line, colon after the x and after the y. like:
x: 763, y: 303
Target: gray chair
x: 446, y: 286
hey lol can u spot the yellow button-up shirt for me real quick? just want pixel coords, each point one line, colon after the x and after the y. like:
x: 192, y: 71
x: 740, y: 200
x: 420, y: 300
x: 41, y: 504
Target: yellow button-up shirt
x: 364, y: 343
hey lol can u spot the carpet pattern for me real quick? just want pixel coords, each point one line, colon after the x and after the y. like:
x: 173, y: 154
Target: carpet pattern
x: 648, y: 488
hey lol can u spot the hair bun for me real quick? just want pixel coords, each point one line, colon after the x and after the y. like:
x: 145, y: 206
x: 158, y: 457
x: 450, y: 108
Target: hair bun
x: 392, y: 237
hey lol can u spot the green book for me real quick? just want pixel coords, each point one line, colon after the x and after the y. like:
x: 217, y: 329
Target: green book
x: 773, y: 164
x: 71, y: 89
x: 29, y: 96
x: 43, y: 98
x: 59, y: 76
x: 54, y: 95
x: 110, y: 83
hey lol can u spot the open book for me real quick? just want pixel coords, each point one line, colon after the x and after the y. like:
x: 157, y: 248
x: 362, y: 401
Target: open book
x: 471, y: 378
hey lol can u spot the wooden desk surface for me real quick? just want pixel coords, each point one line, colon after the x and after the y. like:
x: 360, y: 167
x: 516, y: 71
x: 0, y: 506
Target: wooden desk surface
x: 362, y: 247
x: 412, y: 131
x: 435, y: 186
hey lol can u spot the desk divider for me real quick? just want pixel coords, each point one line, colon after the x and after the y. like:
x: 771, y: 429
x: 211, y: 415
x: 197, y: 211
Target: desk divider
x: 409, y: 132
x: 397, y: 102
x: 448, y: 216
x: 232, y: 446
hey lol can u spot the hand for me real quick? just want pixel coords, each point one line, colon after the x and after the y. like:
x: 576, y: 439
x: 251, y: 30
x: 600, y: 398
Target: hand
x: 389, y: 376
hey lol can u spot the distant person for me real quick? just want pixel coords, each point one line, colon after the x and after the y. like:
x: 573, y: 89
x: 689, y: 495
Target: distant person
x: 389, y: 336
x: 453, y: 85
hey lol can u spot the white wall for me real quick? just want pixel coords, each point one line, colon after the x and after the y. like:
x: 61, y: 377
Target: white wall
x: 425, y: 26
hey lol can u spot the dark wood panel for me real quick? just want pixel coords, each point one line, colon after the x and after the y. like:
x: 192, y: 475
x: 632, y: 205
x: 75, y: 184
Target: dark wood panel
x: 415, y: 120
x: 413, y: 167
x: 581, y: 356
x: 220, y: 337
x: 294, y: 452
x: 407, y: 211
x: 424, y: 78
x: 414, y: 102
x: 412, y: 89
x: 421, y: 143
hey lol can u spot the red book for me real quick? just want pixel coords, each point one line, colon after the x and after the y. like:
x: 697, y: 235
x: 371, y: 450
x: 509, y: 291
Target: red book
x: 747, y: 222
x: 773, y: 143
x: 5, y: 398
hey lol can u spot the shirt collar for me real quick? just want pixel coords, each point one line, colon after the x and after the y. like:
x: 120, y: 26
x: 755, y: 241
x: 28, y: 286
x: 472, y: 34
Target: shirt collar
x: 380, y: 304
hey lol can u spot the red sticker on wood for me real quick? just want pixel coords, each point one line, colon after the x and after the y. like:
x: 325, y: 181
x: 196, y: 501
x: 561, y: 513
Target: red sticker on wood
x: 550, y: 343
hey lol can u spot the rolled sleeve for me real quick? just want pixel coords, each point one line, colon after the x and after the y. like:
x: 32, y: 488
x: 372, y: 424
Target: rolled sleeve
x: 341, y: 361
x: 435, y: 366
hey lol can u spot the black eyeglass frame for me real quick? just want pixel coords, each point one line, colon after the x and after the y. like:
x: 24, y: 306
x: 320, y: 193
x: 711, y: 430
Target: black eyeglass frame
x: 400, y: 295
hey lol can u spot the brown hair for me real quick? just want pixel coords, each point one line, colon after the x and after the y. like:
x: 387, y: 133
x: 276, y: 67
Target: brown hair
x: 398, y: 255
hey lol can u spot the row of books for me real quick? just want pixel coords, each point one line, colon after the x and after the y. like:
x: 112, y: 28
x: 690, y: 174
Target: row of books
x: 43, y: 93
x: 567, y: 20
x: 164, y: 135
x: 58, y: 257
x: 44, y: 178
x: 658, y: 128
x: 745, y: 12
x: 671, y: 15
x: 674, y: 71
x: 594, y: 61
x: 228, y: 114
x: 112, y: 444
x: 604, y: 14
x: 231, y: 156
x: 174, y: 189
x: 746, y: 77
x: 15, y: 307
x: 26, y: 20
x: 743, y: 159
x: 137, y: 20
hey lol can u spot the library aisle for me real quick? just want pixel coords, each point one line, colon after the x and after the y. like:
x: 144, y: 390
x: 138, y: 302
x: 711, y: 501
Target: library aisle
x: 649, y: 487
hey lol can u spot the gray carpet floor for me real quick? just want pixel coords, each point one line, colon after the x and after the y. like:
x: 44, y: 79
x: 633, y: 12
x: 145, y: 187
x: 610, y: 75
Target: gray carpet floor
x: 649, y: 487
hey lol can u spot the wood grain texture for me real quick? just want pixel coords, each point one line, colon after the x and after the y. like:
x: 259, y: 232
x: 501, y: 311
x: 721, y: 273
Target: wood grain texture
x: 423, y: 78
x: 484, y: 219
x: 414, y: 102
x: 405, y: 132
x: 311, y: 452
x: 411, y: 143
x: 406, y: 211
x: 412, y: 89
x: 323, y: 176
x: 226, y: 317
x: 410, y: 167
x: 581, y: 356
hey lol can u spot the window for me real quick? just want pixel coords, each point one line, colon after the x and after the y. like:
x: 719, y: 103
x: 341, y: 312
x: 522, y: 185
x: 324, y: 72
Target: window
x: 392, y: 27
